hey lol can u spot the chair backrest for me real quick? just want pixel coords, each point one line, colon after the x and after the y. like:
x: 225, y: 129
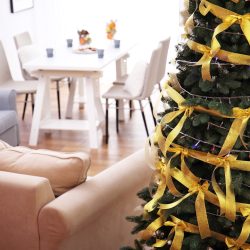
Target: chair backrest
x: 22, y: 39
x: 26, y: 51
x: 25, y: 54
x: 5, y: 74
x: 151, y: 76
x: 134, y: 84
x: 163, y: 59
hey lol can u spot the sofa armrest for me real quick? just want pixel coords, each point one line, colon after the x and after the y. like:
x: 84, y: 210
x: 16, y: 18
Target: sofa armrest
x: 98, y: 206
x: 7, y: 100
x: 22, y: 197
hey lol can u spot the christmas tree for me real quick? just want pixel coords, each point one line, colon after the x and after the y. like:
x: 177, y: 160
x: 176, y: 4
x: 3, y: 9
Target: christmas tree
x: 200, y: 198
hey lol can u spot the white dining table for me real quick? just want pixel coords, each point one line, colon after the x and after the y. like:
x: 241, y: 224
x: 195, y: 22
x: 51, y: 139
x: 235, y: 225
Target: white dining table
x: 72, y: 63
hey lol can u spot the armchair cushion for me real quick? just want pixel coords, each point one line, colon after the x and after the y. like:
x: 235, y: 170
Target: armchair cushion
x: 63, y: 170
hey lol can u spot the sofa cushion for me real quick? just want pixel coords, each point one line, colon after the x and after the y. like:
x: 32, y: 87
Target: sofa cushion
x: 8, y: 120
x: 63, y: 170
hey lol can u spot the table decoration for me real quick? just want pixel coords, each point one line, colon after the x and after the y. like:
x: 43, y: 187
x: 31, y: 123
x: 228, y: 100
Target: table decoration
x: 84, y: 37
x: 111, y: 29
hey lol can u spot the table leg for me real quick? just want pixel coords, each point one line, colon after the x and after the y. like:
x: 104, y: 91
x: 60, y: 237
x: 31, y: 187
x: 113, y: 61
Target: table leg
x: 91, y: 111
x: 99, y: 108
x: 81, y: 92
x: 41, y: 110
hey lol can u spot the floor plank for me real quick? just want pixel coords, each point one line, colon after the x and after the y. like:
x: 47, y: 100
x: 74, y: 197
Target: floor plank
x: 131, y: 137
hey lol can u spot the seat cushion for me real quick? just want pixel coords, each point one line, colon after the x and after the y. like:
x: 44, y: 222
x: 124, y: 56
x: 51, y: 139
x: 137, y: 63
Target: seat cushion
x: 63, y: 170
x: 8, y: 119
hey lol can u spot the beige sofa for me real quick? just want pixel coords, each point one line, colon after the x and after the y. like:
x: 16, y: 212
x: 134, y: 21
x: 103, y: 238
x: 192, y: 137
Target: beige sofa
x: 90, y: 216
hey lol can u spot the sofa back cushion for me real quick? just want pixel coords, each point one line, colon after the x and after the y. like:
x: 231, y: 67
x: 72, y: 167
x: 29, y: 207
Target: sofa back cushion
x: 63, y: 170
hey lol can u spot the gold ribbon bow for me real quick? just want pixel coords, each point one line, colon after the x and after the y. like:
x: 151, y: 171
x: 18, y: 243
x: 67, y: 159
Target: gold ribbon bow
x: 199, y: 206
x: 229, y: 18
x: 179, y: 227
x: 222, y: 55
x: 205, y: 59
x: 227, y: 22
x: 237, y: 128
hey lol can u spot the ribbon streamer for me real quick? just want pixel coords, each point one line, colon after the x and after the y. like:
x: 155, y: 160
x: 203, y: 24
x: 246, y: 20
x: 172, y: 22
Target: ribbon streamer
x: 237, y: 128
x: 200, y: 208
x: 229, y: 18
x: 233, y: 245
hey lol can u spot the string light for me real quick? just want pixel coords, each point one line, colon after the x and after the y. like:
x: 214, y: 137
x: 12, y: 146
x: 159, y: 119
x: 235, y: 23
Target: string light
x: 212, y: 97
x: 198, y: 141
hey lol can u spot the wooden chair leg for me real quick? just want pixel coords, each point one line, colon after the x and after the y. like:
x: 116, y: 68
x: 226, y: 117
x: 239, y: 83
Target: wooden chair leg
x: 117, y: 115
x: 25, y: 104
x: 143, y: 117
x: 152, y: 110
x: 32, y: 103
x: 130, y: 108
x: 107, y: 121
x: 58, y: 99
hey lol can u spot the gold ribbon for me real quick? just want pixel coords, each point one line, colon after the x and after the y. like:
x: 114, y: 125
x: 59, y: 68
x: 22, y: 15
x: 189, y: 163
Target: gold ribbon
x: 172, y: 115
x: 227, y: 203
x: 152, y: 228
x: 166, y: 181
x: 179, y: 227
x: 237, y: 128
x: 233, y: 245
x: 223, y: 55
x: 199, y: 206
x: 245, y: 231
x: 229, y: 18
x: 204, y: 60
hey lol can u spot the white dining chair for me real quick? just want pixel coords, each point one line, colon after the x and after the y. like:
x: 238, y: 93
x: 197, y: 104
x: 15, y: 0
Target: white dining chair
x: 27, y: 87
x: 163, y: 60
x: 27, y: 51
x: 138, y: 86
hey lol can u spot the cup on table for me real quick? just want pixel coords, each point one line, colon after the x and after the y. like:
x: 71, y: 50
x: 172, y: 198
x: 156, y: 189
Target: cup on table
x: 100, y: 53
x: 69, y: 43
x: 50, y: 52
x: 117, y: 43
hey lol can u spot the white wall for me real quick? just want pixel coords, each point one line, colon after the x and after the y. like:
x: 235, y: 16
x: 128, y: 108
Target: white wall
x: 36, y: 20
x: 11, y: 24
x: 50, y: 22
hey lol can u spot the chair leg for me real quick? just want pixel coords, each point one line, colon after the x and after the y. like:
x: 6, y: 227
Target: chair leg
x: 58, y: 99
x: 69, y: 82
x: 130, y: 108
x: 117, y: 115
x: 159, y: 85
x: 32, y: 103
x: 152, y: 111
x: 107, y: 121
x: 143, y: 117
x: 24, y: 106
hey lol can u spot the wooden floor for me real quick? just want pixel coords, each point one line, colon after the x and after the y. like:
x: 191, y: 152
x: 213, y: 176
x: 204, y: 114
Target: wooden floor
x: 131, y: 137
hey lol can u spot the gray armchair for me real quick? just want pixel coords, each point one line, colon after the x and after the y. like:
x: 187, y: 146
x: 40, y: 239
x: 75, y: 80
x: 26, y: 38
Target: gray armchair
x: 9, y: 129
